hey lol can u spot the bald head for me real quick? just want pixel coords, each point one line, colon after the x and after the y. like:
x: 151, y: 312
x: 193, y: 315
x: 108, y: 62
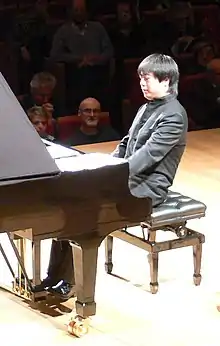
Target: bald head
x: 79, y: 11
x: 214, y: 65
x: 90, y: 102
x: 89, y: 111
x: 213, y: 68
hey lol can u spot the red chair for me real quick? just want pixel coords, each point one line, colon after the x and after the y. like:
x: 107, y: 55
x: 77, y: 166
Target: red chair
x: 68, y: 124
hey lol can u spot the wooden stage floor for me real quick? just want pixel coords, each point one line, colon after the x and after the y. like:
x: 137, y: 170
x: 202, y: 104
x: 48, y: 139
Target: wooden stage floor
x: 127, y: 314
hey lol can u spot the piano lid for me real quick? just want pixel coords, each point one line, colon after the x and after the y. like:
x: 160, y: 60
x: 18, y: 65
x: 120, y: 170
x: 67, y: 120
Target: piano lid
x: 23, y: 155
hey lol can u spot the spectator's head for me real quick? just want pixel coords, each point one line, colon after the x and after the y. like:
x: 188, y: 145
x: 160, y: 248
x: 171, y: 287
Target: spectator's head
x: 79, y: 11
x: 124, y: 13
x: 204, y: 52
x: 89, y: 112
x: 38, y: 118
x: 159, y: 76
x: 42, y: 86
x: 181, y: 15
x: 41, y: 7
x: 213, y: 68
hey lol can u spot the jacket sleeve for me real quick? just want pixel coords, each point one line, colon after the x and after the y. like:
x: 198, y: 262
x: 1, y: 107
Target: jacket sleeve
x: 165, y: 137
x: 121, y: 147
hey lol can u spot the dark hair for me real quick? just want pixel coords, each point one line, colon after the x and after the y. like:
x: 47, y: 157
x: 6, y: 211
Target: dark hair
x: 163, y: 67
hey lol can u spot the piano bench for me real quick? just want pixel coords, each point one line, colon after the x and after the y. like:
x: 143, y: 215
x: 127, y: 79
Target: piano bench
x: 172, y: 215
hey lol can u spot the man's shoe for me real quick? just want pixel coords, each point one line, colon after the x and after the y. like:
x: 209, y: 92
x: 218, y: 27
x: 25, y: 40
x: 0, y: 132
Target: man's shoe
x: 63, y: 290
x: 44, y: 285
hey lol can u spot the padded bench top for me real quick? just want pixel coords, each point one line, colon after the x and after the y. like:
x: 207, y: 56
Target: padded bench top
x: 176, y: 209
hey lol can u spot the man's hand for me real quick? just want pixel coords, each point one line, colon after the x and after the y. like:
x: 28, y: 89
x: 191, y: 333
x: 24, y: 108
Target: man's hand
x: 93, y: 59
x: 48, y: 109
x: 90, y: 60
x: 25, y: 54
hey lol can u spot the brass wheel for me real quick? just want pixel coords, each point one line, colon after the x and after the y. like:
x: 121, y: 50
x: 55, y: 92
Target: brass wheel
x: 78, y: 326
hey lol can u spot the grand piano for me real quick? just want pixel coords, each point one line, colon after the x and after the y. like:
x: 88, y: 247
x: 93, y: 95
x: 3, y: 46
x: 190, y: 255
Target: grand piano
x: 50, y: 191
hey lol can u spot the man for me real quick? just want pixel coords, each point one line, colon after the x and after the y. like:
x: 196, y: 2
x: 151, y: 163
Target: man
x: 33, y: 36
x: 203, y: 97
x: 86, y: 50
x: 42, y: 88
x: 157, y: 138
x: 90, y: 130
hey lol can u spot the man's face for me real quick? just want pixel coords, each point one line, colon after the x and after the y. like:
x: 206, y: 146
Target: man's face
x: 152, y: 88
x: 90, y: 113
x: 79, y: 13
x: 205, y: 55
x: 42, y: 95
x: 41, y: 6
x: 124, y: 13
x: 40, y: 123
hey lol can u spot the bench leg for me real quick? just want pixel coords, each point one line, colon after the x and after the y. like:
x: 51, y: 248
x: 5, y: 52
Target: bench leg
x: 108, y: 254
x: 153, y: 262
x: 197, y: 259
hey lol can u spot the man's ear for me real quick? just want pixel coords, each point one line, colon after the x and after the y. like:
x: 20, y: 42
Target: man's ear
x: 166, y: 82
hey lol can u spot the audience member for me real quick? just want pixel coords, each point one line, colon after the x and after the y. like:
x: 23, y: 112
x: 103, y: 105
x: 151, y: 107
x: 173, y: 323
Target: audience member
x: 128, y: 40
x: 178, y: 30
x: 40, y: 119
x: 90, y: 130
x: 127, y: 37
x: 31, y: 32
x: 85, y: 48
x: 41, y: 94
x: 204, y: 52
x: 204, y: 98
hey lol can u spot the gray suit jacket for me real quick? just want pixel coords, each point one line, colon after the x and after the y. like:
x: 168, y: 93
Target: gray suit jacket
x: 154, y: 151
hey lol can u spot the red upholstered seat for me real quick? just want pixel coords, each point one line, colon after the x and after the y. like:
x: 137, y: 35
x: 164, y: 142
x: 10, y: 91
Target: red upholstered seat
x: 68, y: 124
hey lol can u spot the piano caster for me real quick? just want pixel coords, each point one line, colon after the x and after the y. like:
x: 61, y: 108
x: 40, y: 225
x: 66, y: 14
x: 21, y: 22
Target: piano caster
x: 154, y: 287
x: 197, y: 279
x: 78, y: 326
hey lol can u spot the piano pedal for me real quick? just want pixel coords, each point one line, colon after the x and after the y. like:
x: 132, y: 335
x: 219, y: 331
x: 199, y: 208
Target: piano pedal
x: 78, y: 326
x: 20, y: 287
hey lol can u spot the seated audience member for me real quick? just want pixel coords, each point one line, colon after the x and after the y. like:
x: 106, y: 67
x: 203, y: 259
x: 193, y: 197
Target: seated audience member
x: 204, y: 98
x: 86, y: 50
x: 41, y: 94
x: 203, y: 52
x: 40, y: 119
x: 90, y: 130
x: 153, y: 148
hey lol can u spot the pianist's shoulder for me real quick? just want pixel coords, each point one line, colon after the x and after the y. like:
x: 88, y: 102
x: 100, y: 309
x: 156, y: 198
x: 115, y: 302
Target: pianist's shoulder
x: 104, y: 134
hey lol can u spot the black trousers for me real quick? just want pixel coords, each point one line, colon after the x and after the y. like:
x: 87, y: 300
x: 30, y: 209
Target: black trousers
x: 61, y: 262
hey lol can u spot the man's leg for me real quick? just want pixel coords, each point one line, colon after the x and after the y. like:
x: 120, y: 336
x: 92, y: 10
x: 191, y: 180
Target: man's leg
x: 60, y: 265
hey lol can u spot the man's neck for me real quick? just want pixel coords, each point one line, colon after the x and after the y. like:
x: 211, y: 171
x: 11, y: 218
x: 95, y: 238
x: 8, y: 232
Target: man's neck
x: 89, y: 131
x: 80, y: 26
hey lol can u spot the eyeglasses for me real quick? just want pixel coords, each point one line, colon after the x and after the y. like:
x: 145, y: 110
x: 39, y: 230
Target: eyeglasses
x: 90, y: 110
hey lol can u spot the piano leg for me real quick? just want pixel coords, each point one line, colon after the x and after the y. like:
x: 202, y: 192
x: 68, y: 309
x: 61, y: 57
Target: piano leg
x: 36, y: 263
x: 108, y: 254
x: 85, y: 266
